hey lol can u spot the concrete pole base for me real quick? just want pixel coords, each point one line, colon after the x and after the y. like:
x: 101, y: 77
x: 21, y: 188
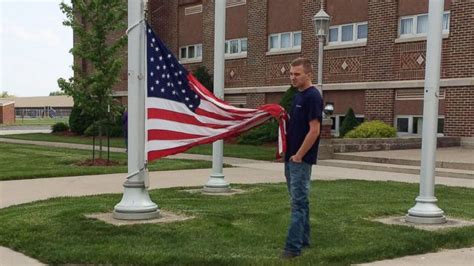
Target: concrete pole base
x: 425, y: 220
x: 425, y: 211
x: 216, y: 184
x: 136, y: 203
x: 136, y: 215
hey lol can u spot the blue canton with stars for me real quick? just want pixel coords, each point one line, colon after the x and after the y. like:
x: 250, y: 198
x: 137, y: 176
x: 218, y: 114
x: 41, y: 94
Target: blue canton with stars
x: 167, y: 78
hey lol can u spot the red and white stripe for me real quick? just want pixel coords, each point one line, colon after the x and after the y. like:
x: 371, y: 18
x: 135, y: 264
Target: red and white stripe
x: 173, y: 128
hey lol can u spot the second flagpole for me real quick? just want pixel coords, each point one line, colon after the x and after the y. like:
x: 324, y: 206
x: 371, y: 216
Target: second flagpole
x: 216, y: 181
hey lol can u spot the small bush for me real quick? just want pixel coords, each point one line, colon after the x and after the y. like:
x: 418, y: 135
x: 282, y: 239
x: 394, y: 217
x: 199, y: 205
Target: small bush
x: 79, y: 121
x: 268, y: 132
x: 202, y: 74
x: 349, y: 123
x: 372, y: 129
x: 60, y: 127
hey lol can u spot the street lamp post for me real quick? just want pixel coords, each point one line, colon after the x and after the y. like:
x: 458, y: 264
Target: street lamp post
x: 321, y: 27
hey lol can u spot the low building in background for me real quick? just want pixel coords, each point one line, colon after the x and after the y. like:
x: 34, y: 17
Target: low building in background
x: 43, y: 106
x: 7, y: 111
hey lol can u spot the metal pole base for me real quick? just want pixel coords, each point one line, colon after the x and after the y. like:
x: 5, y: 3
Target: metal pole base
x: 425, y: 211
x: 216, y: 184
x: 136, y: 203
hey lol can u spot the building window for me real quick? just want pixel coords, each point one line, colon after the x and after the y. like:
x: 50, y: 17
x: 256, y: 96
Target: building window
x: 337, y: 123
x: 237, y: 47
x: 190, y: 53
x: 284, y: 41
x: 348, y: 33
x: 413, y: 125
x: 417, y: 25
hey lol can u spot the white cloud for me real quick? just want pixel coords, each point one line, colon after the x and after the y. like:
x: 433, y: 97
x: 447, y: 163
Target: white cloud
x: 46, y: 36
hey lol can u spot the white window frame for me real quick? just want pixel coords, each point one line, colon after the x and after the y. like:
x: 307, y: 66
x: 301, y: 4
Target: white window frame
x: 187, y: 59
x: 292, y: 48
x: 232, y: 3
x: 240, y: 53
x: 413, y: 33
x: 410, y: 125
x: 355, y: 33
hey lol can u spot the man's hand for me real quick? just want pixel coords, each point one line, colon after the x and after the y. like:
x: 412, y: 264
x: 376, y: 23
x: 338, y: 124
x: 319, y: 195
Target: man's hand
x: 296, y: 159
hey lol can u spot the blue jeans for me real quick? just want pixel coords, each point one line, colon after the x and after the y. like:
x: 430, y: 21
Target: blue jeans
x: 298, y: 177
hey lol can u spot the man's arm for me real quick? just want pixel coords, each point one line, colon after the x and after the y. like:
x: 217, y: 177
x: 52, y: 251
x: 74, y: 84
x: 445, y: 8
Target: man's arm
x: 309, y: 139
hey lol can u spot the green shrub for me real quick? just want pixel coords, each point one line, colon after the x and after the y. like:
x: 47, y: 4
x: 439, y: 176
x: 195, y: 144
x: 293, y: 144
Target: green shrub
x: 204, y: 77
x: 372, y: 129
x: 349, y: 123
x: 59, y: 127
x: 79, y: 121
x: 268, y: 132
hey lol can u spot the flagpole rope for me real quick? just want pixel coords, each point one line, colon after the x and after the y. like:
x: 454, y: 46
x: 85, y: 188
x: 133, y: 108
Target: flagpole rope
x: 134, y: 25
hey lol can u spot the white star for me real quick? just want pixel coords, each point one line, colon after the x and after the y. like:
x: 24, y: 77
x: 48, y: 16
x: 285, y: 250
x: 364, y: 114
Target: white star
x: 195, y: 96
x: 151, y: 74
x: 168, y: 84
x: 156, y: 49
x: 152, y: 88
x: 183, y: 91
x: 172, y: 65
x: 191, y: 106
x: 149, y: 30
x: 152, y: 59
x: 174, y: 92
x: 163, y: 76
x: 151, y: 44
x: 169, y: 55
x: 179, y: 82
x: 164, y: 66
x: 157, y: 67
x: 162, y: 89
x: 168, y: 76
x: 180, y: 72
x: 153, y: 40
x: 176, y: 74
x: 187, y: 99
x: 161, y: 58
x: 157, y: 82
x: 172, y: 85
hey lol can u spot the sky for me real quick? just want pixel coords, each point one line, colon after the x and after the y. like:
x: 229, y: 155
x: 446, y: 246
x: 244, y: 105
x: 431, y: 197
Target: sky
x: 34, y: 47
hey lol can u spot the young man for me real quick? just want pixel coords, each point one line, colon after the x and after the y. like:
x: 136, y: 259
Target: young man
x: 302, y: 150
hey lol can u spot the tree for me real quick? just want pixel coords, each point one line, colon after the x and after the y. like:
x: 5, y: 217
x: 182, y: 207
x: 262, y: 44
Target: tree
x: 201, y: 73
x: 57, y: 93
x: 95, y: 24
x: 5, y: 94
x: 349, y: 123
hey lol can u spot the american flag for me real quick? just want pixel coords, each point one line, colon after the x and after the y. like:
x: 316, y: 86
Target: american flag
x: 181, y: 113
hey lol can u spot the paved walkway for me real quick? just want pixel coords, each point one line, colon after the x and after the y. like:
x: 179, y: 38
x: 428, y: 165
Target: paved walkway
x: 246, y: 171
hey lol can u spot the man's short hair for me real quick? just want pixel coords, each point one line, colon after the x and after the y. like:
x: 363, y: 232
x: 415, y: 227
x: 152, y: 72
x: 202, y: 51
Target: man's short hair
x: 301, y: 61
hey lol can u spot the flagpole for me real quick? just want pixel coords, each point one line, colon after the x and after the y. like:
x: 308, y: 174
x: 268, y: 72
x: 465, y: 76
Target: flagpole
x: 216, y: 182
x: 426, y: 211
x: 136, y: 203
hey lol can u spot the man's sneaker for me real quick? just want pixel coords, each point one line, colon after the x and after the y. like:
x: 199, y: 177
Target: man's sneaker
x: 289, y: 255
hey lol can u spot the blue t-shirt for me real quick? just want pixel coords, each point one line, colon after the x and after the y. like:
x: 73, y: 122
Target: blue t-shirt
x: 307, y: 106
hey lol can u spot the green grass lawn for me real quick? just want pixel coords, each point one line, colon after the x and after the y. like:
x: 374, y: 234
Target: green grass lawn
x: 244, y: 229
x: 30, y: 161
x: 266, y: 152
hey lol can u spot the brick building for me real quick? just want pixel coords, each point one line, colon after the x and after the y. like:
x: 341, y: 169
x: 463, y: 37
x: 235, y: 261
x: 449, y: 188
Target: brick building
x: 7, y: 111
x: 374, y: 59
